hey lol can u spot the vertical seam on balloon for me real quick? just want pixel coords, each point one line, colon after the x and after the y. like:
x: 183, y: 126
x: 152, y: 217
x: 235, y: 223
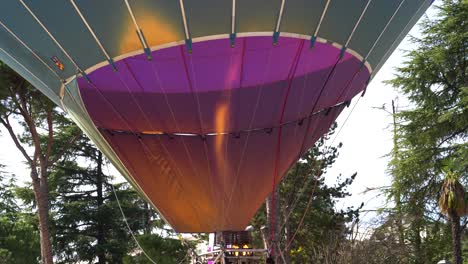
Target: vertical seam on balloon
x: 31, y: 51
x: 232, y: 36
x: 233, y: 17
x: 118, y: 114
x: 132, y: 16
x: 26, y: 69
x: 383, y: 30
x: 357, y: 23
x: 173, y: 117
x: 278, y: 144
x: 315, y: 104
x: 371, y: 49
x: 200, y: 118
x: 184, y: 19
x: 348, y: 84
x: 321, y: 18
x: 241, y: 76
x: 302, y: 96
x: 331, y: 73
x: 230, y: 90
x: 280, y: 16
x: 276, y: 32
x: 93, y: 34
x: 404, y: 29
x: 257, y: 103
x: 177, y: 169
x: 51, y: 36
x: 81, y: 105
x: 156, y: 75
x: 188, y: 38
x: 139, y: 31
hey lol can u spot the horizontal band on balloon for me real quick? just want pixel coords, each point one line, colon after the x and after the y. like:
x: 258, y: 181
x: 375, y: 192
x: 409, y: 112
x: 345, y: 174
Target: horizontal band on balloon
x: 247, y: 87
x: 219, y: 88
x: 267, y: 130
x: 225, y: 36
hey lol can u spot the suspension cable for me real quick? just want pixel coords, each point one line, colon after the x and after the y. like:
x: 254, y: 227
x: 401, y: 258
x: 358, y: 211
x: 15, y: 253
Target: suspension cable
x: 126, y: 222
x: 315, y: 184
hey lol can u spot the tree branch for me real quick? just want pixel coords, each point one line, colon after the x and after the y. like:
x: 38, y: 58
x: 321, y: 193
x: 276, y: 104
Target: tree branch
x: 6, y: 123
x: 62, y: 151
x: 50, y: 135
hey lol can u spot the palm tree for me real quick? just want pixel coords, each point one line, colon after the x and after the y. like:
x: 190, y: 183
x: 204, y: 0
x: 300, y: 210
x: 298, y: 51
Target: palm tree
x: 453, y: 204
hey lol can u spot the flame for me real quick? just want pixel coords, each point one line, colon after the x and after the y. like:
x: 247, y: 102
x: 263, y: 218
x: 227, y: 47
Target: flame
x: 222, y: 115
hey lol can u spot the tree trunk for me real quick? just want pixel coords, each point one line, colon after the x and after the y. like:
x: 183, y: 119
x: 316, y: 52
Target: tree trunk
x: 287, y: 237
x: 273, y: 221
x: 41, y: 195
x: 100, y: 200
x: 456, y: 238
x: 148, y: 214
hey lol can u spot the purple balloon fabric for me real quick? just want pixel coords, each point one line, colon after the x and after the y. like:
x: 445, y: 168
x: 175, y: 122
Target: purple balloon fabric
x: 201, y: 133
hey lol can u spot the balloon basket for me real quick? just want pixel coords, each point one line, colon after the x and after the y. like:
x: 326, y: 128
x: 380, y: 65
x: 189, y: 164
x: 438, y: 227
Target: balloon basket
x: 232, y: 247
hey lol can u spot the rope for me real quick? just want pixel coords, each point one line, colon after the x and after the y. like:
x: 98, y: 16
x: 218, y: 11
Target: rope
x: 278, y: 144
x: 309, y: 202
x: 346, y: 120
x: 297, y: 199
x: 126, y: 222
x: 315, y: 184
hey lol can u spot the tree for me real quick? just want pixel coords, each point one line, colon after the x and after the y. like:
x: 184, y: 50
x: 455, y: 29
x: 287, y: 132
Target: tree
x: 307, y: 220
x: 162, y: 250
x: 46, y: 130
x: 431, y: 135
x: 452, y: 203
x: 17, y: 229
x: 87, y: 220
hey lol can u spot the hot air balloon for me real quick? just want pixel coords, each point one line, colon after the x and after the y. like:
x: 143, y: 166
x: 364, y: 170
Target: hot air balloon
x: 203, y: 105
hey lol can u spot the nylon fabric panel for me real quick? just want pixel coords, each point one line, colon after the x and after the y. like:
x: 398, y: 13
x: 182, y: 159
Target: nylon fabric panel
x: 338, y: 81
x: 160, y: 20
x: 372, y: 24
x: 355, y: 86
x: 340, y: 19
x: 302, y: 16
x: 19, y: 21
x: 257, y: 16
x: 77, y: 112
x: 64, y: 23
x: 321, y: 127
x: 406, y: 13
x: 112, y: 24
x: 208, y: 17
x: 34, y: 71
x: 138, y: 159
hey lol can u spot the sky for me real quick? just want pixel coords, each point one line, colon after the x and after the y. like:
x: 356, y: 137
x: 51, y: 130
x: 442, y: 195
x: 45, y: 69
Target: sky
x: 366, y: 138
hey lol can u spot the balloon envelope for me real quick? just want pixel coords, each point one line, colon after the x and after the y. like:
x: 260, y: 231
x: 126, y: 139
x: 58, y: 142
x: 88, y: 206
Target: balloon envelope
x: 203, y: 105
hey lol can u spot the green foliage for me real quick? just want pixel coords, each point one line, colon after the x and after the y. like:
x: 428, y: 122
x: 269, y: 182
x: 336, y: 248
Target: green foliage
x: 18, y: 232
x: 323, y: 225
x: 431, y: 134
x: 161, y: 250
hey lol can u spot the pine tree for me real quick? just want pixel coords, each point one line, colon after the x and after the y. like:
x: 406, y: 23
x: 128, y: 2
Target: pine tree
x: 309, y: 224
x: 432, y: 132
x: 46, y: 130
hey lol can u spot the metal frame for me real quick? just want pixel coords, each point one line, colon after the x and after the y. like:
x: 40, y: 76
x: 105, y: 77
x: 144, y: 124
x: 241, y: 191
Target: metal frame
x: 218, y: 256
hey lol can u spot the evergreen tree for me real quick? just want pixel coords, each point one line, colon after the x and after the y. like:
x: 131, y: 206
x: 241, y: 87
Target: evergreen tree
x: 46, y: 130
x: 431, y: 135
x: 19, y: 238
x: 305, y: 199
